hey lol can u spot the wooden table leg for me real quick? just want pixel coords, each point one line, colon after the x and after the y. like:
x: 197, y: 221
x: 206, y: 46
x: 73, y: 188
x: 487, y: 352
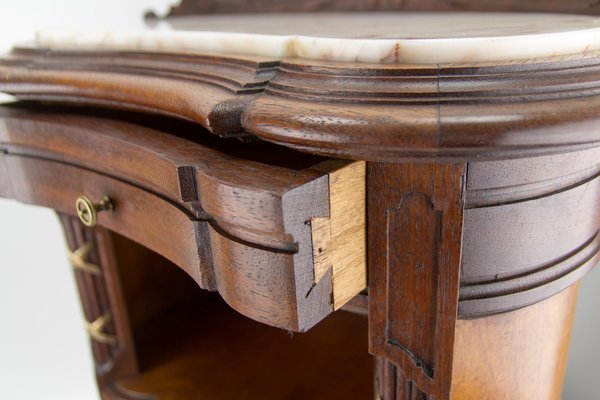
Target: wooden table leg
x: 95, y: 264
x: 521, y: 354
x: 118, y: 277
x: 473, y: 276
x: 415, y: 219
x: 516, y: 355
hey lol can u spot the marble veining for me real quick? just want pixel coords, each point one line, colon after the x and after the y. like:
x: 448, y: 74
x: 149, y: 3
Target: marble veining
x: 393, y: 38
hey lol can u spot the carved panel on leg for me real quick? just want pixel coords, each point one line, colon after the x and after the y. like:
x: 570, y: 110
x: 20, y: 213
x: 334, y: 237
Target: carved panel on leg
x: 93, y: 259
x: 390, y: 383
x: 415, y: 217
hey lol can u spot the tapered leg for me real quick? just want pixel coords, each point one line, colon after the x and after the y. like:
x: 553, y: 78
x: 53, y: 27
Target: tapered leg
x: 521, y: 354
x: 93, y: 258
x: 415, y: 216
x: 472, y: 276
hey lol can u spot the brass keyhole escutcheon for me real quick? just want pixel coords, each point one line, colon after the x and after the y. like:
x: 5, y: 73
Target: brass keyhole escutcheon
x: 87, y: 211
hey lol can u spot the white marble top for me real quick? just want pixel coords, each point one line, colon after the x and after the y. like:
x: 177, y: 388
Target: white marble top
x: 373, y: 38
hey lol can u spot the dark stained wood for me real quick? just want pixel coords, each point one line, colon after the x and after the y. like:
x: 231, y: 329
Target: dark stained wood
x: 145, y: 82
x: 247, y: 276
x: 214, y: 354
x: 390, y: 383
x: 138, y: 215
x: 415, y: 227
x: 190, y: 7
x: 276, y: 288
x: 517, y: 355
x: 553, y: 202
x: 359, y: 304
x: 384, y: 379
x: 267, y: 287
x: 100, y: 295
x: 377, y: 112
x: 151, y: 284
x: 488, y: 203
x: 190, y: 345
x: 211, y: 183
x: 247, y: 225
x: 399, y: 113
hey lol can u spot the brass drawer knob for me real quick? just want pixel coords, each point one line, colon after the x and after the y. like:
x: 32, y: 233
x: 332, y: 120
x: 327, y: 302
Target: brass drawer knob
x: 87, y: 211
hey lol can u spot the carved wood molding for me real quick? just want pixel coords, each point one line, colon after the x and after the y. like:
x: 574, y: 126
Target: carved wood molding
x: 209, y: 90
x: 203, y: 178
x: 236, y: 225
x: 391, y: 383
x: 531, y: 229
x: 566, y: 184
x: 380, y: 112
x: 430, y: 112
x: 500, y: 295
x: 101, y: 295
x: 415, y: 219
x: 190, y: 7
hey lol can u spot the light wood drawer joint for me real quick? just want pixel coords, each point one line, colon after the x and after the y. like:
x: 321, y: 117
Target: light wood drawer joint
x: 339, y: 241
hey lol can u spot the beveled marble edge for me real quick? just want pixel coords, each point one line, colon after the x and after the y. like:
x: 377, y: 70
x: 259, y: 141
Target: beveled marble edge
x: 385, y: 51
x: 437, y: 50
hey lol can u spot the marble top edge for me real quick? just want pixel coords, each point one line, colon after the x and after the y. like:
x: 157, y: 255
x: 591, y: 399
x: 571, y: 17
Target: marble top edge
x: 395, y: 38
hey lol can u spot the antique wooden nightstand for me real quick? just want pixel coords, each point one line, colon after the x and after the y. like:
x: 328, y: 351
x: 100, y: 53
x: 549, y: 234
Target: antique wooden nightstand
x: 417, y: 193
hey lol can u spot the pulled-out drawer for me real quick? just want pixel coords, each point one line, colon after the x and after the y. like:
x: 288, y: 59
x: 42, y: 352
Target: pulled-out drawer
x: 279, y: 234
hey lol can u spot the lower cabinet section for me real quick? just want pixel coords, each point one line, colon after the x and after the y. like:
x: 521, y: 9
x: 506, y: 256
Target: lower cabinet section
x: 204, y: 350
x: 279, y: 234
x: 189, y: 344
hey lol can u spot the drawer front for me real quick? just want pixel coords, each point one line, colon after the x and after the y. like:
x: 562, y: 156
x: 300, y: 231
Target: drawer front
x: 283, y: 242
x: 137, y: 214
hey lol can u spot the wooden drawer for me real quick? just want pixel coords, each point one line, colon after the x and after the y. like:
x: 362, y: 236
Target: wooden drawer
x: 279, y: 234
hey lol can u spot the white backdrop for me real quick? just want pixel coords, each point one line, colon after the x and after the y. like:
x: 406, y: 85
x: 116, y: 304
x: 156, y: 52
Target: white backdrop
x: 44, y: 351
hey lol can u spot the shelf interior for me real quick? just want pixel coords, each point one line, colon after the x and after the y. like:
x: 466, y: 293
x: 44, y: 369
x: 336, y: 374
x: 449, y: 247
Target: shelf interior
x: 199, y: 348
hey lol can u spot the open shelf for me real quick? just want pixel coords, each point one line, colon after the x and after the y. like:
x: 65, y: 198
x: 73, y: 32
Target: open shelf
x: 190, y: 345
x: 205, y: 350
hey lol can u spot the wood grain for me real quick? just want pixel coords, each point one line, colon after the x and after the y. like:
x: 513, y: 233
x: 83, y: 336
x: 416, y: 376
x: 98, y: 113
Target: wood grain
x: 138, y: 215
x: 100, y: 295
x: 531, y: 229
x: 488, y: 203
x: 517, y: 355
x: 415, y: 230
x: 191, y: 345
x: 151, y: 284
x: 339, y: 241
x: 207, y: 211
x: 223, y: 183
x: 374, y: 112
x: 214, y: 354
x: 273, y: 287
x: 391, y: 383
x: 401, y: 113
x: 222, y: 86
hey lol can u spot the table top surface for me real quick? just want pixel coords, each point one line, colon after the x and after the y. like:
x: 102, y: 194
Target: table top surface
x: 387, y: 38
x: 376, y: 87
